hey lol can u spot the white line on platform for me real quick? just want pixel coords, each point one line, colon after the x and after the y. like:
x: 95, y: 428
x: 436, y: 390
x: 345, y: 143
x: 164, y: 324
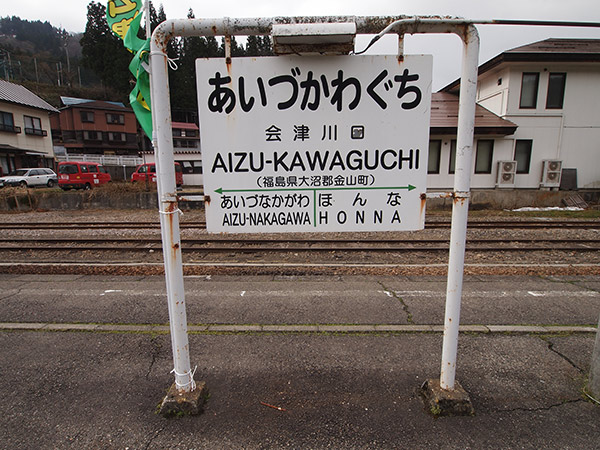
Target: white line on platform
x: 297, y: 328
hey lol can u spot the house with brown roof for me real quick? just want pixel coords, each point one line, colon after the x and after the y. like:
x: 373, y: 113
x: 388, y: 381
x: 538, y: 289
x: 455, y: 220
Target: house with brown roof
x: 490, y: 137
x: 25, y: 139
x: 94, y: 127
x: 551, y: 91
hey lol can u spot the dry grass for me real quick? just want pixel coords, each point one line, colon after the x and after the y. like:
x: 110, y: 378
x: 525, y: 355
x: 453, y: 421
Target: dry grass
x: 122, y: 187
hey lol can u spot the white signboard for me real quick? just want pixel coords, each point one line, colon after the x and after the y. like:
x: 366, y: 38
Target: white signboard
x: 314, y: 143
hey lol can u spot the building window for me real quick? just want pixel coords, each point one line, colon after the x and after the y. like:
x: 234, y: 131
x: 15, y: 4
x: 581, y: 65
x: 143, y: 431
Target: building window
x: 115, y: 118
x: 523, y: 154
x: 435, y: 150
x: 92, y: 135
x: 185, y: 143
x: 33, y: 125
x: 118, y: 137
x: 452, y: 164
x: 7, y: 123
x: 87, y: 116
x: 483, y: 157
x: 556, y: 90
x: 529, y: 89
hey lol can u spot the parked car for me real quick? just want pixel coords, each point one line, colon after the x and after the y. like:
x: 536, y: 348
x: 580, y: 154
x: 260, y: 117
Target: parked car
x: 81, y: 175
x: 38, y: 176
x: 147, y: 172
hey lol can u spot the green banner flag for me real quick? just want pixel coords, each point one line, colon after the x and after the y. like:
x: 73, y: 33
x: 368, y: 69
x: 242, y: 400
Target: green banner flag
x: 123, y: 17
x: 120, y: 14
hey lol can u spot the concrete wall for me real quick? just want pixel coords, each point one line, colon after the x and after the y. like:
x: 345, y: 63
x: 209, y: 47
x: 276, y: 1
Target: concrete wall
x: 78, y: 200
x: 499, y: 199
x: 493, y: 90
x: 503, y: 151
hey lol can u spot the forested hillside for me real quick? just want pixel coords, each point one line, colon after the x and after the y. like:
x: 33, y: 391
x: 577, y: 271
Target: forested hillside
x: 46, y: 60
x: 94, y: 64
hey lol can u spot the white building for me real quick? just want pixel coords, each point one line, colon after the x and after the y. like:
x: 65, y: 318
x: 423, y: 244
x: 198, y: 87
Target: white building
x: 25, y: 139
x: 551, y: 91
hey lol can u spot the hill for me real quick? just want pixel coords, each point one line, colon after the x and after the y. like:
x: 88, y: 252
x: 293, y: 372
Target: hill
x: 44, y: 58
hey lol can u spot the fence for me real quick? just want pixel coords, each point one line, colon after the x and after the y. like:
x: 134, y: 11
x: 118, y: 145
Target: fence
x: 105, y: 160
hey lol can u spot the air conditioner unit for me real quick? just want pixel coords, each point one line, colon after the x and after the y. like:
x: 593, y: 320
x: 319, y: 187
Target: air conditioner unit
x: 551, y: 171
x: 506, y: 174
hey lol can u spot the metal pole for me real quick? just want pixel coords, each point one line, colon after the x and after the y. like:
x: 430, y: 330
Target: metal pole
x: 462, y: 177
x: 460, y: 209
x: 227, y: 47
x: 169, y: 216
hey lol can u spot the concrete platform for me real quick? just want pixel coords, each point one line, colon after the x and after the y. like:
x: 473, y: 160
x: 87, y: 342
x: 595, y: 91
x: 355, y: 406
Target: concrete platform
x: 339, y: 385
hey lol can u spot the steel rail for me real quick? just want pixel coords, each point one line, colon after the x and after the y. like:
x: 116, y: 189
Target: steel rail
x: 236, y: 248
x: 302, y: 249
x: 584, y: 224
x: 254, y: 241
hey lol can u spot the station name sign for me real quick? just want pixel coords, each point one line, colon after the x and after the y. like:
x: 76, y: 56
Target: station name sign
x: 296, y: 143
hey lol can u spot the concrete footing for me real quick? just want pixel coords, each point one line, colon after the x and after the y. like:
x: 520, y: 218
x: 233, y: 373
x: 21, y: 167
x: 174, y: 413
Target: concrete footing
x: 178, y: 403
x: 440, y: 402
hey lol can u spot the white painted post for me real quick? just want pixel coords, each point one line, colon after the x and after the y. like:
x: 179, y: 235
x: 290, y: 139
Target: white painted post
x: 460, y: 210
x: 462, y: 177
x: 169, y: 216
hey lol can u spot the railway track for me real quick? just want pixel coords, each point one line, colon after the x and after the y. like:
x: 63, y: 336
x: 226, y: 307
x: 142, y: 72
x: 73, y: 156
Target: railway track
x: 131, y: 245
x: 221, y: 245
x: 479, y: 224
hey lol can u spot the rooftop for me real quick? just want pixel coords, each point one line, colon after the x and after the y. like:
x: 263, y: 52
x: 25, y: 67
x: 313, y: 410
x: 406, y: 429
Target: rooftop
x: 17, y: 94
x: 444, y: 118
x: 549, y: 50
x: 93, y: 104
x: 560, y: 46
x: 184, y: 126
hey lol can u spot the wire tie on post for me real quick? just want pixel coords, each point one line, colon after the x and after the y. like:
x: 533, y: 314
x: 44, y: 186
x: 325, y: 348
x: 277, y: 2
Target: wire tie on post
x: 172, y: 63
x: 168, y: 213
x: 190, y: 373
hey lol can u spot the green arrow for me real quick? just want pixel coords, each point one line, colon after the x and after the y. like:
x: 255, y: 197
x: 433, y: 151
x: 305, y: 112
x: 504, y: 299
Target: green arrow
x: 410, y: 187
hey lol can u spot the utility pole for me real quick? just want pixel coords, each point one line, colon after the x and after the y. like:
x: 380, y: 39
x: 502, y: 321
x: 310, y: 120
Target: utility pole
x: 9, y: 68
x: 5, y: 63
x: 68, y: 60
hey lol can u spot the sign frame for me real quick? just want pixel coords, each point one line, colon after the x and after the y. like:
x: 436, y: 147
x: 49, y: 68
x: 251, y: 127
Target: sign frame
x: 163, y: 145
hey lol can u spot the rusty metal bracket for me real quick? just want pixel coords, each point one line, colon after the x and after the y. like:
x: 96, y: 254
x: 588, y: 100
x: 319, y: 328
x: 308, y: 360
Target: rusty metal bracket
x: 458, y: 194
